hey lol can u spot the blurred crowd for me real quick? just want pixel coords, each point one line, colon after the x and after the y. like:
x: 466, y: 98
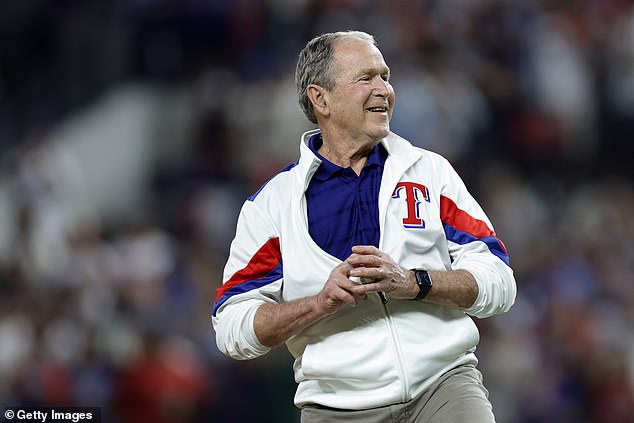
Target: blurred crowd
x: 532, y: 102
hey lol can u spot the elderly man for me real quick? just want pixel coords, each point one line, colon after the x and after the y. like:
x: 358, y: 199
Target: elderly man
x: 367, y: 258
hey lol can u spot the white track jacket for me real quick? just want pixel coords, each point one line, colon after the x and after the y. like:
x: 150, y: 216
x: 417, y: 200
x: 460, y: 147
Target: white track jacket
x: 373, y: 354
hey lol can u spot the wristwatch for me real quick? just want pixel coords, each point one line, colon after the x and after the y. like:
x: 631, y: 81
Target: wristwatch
x: 424, y: 283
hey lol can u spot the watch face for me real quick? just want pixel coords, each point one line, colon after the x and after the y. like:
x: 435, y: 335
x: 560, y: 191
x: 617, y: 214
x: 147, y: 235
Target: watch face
x: 424, y: 283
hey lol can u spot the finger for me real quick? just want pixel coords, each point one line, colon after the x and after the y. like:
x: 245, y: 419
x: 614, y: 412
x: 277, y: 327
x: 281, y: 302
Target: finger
x: 351, y: 297
x: 368, y: 288
x: 344, y: 268
x: 366, y: 249
x: 369, y: 273
x: 349, y: 288
x: 357, y: 261
x: 337, y: 295
x: 345, y: 282
x: 341, y: 272
x: 348, y: 298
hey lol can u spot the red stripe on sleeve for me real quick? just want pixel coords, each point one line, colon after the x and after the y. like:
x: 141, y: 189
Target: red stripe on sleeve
x: 260, y: 265
x: 463, y: 221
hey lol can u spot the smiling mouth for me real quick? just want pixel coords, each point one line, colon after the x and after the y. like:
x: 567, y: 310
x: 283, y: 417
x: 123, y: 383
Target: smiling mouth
x: 377, y: 109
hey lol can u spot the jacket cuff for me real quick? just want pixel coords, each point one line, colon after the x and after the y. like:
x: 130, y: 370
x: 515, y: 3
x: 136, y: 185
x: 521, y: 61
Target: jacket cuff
x: 235, y: 335
x: 496, y: 291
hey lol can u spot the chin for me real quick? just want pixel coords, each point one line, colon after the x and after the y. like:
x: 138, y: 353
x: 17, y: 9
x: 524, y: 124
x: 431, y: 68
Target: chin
x: 377, y: 131
x: 382, y: 132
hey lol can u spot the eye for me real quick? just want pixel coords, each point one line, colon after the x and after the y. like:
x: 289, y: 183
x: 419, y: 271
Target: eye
x: 365, y: 78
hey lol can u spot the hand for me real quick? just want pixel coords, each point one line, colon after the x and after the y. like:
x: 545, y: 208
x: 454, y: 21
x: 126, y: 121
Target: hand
x: 370, y: 262
x: 338, y: 290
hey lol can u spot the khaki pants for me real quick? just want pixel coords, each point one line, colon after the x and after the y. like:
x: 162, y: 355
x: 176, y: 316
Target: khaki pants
x: 458, y: 396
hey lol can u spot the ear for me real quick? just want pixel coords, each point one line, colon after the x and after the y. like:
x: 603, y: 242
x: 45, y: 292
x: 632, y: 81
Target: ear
x: 319, y: 98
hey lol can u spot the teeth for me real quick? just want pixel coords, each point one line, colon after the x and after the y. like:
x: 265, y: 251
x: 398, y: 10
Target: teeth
x: 377, y: 109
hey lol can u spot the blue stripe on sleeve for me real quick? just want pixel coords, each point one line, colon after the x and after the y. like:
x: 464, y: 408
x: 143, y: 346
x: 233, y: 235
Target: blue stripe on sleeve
x: 460, y: 237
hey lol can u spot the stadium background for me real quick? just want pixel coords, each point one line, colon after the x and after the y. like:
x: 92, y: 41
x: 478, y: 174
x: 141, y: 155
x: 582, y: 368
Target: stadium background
x: 132, y: 130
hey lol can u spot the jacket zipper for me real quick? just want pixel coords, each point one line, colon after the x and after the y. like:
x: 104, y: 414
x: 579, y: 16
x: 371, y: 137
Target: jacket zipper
x: 400, y: 362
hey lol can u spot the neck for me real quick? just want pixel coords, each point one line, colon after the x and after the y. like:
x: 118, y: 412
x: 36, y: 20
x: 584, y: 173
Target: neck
x: 350, y: 153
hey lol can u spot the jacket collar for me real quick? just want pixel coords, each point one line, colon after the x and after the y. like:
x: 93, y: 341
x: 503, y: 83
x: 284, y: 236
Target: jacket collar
x: 401, y: 155
x: 328, y: 169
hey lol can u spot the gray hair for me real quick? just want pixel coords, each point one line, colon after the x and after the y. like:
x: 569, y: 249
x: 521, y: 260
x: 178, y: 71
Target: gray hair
x: 316, y: 65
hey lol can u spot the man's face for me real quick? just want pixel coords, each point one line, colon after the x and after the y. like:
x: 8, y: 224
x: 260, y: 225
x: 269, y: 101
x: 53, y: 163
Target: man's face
x: 362, y: 100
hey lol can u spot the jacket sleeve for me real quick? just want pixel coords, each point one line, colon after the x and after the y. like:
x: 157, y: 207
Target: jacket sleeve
x: 252, y: 277
x: 474, y: 246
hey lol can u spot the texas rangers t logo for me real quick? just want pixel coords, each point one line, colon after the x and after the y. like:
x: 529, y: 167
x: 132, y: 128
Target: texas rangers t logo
x: 414, y: 195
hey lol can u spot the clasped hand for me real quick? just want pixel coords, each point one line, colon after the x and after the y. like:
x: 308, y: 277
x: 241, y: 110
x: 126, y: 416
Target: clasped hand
x: 368, y: 263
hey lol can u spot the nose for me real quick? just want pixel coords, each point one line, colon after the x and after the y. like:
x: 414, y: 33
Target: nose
x: 381, y: 88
